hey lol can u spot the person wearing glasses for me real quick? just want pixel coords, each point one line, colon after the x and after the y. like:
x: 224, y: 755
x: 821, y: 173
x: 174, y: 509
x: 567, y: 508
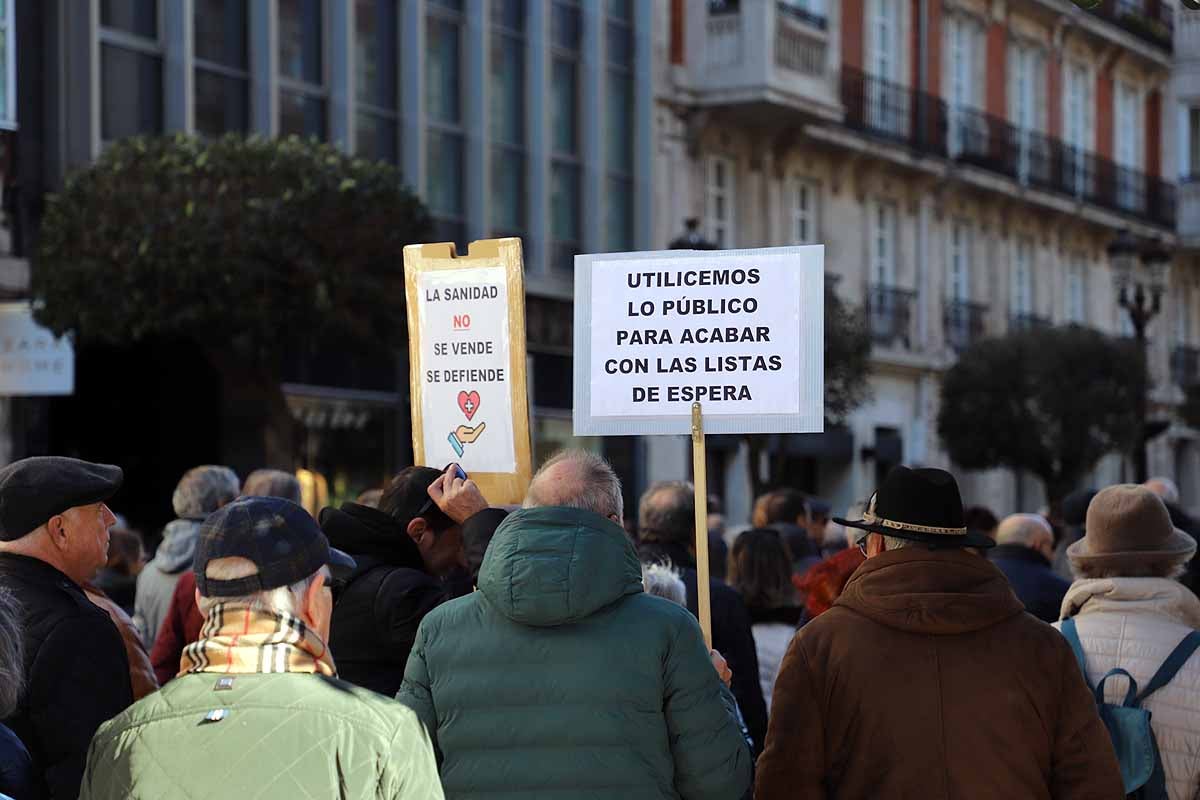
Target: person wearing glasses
x: 927, y: 678
x: 406, y: 550
x: 258, y: 710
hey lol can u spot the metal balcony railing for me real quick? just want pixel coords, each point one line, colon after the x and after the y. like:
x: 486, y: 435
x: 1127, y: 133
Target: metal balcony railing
x: 893, y: 111
x: 889, y: 315
x: 1185, y: 366
x: 1149, y: 20
x: 965, y: 323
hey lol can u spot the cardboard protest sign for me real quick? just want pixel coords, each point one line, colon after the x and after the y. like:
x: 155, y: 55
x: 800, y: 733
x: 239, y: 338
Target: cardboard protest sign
x: 466, y: 335
x: 739, y: 331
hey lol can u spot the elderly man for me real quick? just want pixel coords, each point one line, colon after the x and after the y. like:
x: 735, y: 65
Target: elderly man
x: 1024, y: 552
x: 53, y: 539
x: 561, y: 677
x: 258, y: 711
x: 201, y: 491
x: 667, y: 527
x: 927, y: 679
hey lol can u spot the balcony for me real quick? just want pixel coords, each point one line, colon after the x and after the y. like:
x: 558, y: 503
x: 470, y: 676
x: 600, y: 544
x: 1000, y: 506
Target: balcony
x: 1027, y: 322
x: 891, y: 111
x: 766, y: 53
x: 1189, y: 209
x: 1149, y: 20
x: 1185, y: 366
x: 889, y: 315
x: 964, y: 323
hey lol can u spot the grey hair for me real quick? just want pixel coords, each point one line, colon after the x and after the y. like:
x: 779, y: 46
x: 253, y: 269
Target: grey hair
x: 896, y: 543
x: 202, y: 490
x: 1166, y: 567
x: 12, y: 661
x: 663, y: 580
x: 595, y: 487
x: 282, y: 599
x: 667, y: 513
x: 1024, y: 529
x: 273, y: 483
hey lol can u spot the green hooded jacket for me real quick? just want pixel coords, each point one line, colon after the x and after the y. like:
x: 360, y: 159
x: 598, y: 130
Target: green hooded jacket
x: 284, y: 735
x: 560, y: 678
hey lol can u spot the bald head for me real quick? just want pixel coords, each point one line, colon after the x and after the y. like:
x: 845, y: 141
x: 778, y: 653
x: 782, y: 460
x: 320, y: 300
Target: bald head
x: 1027, y: 530
x: 577, y: 479
x: 1164, y: 488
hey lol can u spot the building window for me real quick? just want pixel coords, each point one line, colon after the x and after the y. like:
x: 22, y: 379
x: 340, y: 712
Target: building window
x: 1026, y: 109
x: 619, y: 125
x: 1076, y: 310
x: 302, y: 93
x: 958, y: 258
x: 444, y: 180
x: 1078, y: 126
x: 719, y: 187
x: 884, y: 236
x: 508, y: 118
x: 1021, y: 297
x: 8, y: 63
x: 130, y: 69
x: 377, y: 118
x: 1192, y: 164
x: 804, y: 195
x: 886, y: 109
x: 222, y: 69
x: 565, y: 184
x: 962, y: 83
x: 1128, y: 134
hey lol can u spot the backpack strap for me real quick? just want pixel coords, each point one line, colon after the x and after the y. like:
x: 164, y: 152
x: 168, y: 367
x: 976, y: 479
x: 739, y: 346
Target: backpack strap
x: 1131, y: 694
x: 1072, y: 636
x: 1179, y: 656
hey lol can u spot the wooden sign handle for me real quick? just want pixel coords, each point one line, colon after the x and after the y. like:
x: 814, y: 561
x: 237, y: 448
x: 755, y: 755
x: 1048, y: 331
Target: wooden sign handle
x: 700, y: 479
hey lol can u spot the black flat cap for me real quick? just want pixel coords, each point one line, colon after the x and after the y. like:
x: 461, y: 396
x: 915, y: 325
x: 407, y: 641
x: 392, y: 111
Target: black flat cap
x: 33, y: 490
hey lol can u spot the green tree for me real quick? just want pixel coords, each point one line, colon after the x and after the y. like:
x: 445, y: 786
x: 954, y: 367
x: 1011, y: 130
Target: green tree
x: 1050, y: 401
x: 249, y: 247
x: 847, y: 361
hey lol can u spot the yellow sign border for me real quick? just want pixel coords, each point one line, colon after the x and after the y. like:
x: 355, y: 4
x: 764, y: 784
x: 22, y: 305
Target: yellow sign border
x: 500, y: 488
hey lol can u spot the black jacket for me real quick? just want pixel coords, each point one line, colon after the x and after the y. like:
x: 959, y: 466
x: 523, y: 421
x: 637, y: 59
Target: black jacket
x: 76, y: 672
x: 731, y: 633
x: 1033, y: 580
x: 383, y: 600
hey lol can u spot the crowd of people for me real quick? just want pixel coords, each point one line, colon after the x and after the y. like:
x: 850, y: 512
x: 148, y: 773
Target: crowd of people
x: 422, y: 643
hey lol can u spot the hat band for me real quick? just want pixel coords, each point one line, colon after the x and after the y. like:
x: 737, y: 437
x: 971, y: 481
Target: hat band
x: 871, y: 518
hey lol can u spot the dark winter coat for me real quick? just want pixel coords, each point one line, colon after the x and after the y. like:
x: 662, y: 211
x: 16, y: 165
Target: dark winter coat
x: 180, y: 628
x: 1032, y: 579
x: 927, y: 679
x: 16, y: 768
x: 731, y: 633
x: 77, y: 675
x: 561, y: 678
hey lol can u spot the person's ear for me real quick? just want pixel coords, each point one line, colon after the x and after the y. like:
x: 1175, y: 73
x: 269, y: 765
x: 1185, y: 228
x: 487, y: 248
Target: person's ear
x: 417, y: 528
x: 57, y: 530
x: 875, y: 545
x: 616, y: 519
x: 310, y: 602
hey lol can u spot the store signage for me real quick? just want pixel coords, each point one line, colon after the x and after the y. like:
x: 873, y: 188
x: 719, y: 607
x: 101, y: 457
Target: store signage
x: 33, y: 361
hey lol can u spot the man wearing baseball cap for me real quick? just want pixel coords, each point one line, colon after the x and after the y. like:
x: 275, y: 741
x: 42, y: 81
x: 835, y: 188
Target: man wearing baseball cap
x: 257, y: 709
x: 53, y: 539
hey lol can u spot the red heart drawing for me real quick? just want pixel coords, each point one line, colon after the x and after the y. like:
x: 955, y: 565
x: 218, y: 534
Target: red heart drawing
x: 469, y: 403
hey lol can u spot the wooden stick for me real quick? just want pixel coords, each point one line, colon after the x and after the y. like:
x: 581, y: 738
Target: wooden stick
x: 700, y: 478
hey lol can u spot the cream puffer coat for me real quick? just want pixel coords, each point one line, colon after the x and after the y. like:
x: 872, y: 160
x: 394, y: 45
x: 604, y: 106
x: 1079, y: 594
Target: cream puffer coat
x: 1135, y: 623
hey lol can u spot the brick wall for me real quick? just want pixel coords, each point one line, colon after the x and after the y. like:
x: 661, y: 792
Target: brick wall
x: 852, y: 33
x: 677, y: 31
x: 934, y: 47
x: 1054, y: 67
x: 1104, y: 114
x: 997, y: 70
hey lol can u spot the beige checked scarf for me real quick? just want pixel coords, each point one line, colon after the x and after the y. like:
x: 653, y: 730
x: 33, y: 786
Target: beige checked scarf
x: 239, y: 639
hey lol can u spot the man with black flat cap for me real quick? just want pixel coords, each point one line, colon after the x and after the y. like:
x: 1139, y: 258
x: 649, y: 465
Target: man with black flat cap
x: 53, y: 539
x: 927, y: 678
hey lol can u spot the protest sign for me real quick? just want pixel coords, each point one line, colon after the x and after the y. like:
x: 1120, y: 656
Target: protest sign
x: 739, y: 331
x: 466, y: 334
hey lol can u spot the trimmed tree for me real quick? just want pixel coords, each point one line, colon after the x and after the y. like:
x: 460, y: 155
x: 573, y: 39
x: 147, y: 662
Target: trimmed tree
x: 847, y: 362
x: 1051, y: 401
x: 250, y: 247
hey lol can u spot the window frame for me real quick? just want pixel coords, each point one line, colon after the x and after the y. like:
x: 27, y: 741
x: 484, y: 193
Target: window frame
x: 8, y: 29
x: 620, y: 174
x: 434, y: 125
x: 720, y: 231
x: 810, y: 215
x: 559, y: 158
x: 297, y: 86
x: 200, y: 64
x: 958, y: 278
x: 124, y: 40
x: 501, y: 148
x: 1076, y: 278
x: 367, y: 107
x: 1021, y: 292
x: 885, y: 225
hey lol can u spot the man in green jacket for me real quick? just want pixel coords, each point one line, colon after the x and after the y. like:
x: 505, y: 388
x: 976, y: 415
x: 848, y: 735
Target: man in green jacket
x: 258, y: 710
x: 561, y: 678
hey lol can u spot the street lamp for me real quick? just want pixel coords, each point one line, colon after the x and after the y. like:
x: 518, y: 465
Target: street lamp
x: 1139, y: 292
x: 691, y: 238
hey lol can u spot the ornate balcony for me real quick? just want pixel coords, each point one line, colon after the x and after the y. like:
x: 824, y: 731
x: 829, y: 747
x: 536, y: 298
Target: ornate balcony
x: 1149, y: 20
x: 892, y: 111
x: 964, y: 322
x: 889, y: 315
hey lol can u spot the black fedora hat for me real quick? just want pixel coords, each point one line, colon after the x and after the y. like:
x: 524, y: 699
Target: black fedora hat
x: 921, y: 505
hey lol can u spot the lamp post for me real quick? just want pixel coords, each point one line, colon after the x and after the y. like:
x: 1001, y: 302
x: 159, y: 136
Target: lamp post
x: 1141, y: 277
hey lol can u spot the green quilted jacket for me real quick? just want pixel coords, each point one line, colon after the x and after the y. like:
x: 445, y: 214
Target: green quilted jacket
x: 560, y: 678
x: 278, y: 736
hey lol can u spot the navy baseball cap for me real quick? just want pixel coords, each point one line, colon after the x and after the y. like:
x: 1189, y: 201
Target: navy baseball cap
x: 280, y: 537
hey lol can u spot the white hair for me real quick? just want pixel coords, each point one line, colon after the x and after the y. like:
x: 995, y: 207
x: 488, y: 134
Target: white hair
x: 1027, y: 530
x: 662, y: 580
x: 896, y: 543
x: 282, y: 599
x: 591, y: 485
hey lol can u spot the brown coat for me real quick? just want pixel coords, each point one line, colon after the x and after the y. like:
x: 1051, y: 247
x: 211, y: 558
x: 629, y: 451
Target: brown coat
x: 927, y: 680
x: 141, y: 674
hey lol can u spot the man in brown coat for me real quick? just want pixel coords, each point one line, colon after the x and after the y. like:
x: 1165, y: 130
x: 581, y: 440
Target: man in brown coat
x: 928, y: 680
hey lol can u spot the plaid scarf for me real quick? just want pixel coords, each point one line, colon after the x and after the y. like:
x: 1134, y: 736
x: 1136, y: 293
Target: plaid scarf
x: 241, y: 639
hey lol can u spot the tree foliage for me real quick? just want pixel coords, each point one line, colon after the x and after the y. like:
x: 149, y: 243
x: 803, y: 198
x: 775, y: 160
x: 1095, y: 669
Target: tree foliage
x: 1049, y: 401
x: 240, y: 244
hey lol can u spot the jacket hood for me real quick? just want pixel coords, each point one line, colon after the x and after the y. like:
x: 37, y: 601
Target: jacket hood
x: 940, y: 592
x: 364, y: 531
x: 178, y: 546
x: 1159, y: 596
x: 554, y: 566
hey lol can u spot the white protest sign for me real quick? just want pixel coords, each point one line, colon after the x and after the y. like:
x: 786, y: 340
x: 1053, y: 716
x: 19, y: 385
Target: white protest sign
x: 467, y: 378
x: 33, y: 361
x: 740, y: 332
